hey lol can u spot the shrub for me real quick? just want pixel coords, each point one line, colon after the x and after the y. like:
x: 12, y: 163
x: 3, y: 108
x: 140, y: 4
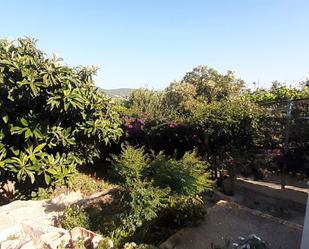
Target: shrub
x: 186, y: 176
x: 129, y: 165
x: 155, y: 186
x: 53, y: 118
x: 75, y: 216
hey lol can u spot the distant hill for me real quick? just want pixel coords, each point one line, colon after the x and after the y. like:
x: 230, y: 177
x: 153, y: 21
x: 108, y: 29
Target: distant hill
x: 118, y: 92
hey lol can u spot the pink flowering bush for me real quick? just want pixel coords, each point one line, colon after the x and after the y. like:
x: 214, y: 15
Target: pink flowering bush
x: 161, y: 135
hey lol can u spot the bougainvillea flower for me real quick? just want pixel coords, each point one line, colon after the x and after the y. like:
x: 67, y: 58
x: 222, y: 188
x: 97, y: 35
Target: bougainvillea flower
x: 172, y: 125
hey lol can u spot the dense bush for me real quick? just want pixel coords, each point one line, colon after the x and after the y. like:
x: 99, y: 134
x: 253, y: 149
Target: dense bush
x: 278, y: 92
x: 53, y: 118
x: 159, y: 188
x: 157, y: 195
x: 206, y: 110
x: 273, y: 103
x: 171, y: 137
x: 213, y: 128
x: 215, y: 114
x: 229, y: 123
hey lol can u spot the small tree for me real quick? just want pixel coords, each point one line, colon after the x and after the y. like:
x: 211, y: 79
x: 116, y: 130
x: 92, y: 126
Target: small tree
x: 52, y: 117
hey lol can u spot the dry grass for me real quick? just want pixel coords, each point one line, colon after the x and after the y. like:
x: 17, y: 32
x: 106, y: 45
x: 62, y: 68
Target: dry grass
x: 84, y: 183
x: 89, y: 185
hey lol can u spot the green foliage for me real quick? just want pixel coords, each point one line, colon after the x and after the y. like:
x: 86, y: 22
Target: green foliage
x: 104, y: 244
x: 216, y: 114
x: 185, y: 211
x: 89, y: 185
x: 228, y: 124
x: 130, y: 164
x: 211, y: 85
x: 201, y: 85
x: 75, y: 216
x: 144, y: 204
x: 186, y: 176
x: 149, y: 104
x: 41, y: 194
x: 181, y: 96
x: 206, y: 109
x: 279, y: 92
x: 53, y: 118
x: 155, y: 185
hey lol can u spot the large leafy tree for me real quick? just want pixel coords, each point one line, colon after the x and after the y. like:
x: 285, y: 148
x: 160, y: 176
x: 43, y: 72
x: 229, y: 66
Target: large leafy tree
x: 147, y: 103
x: 181, y: 96
x: 200, y: 86
x: 211, y: 85
x: 52, y: 117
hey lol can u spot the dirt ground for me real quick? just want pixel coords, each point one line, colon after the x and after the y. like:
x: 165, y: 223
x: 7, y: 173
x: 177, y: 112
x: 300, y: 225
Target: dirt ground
x: 257, y: 207
x: 228, y: 221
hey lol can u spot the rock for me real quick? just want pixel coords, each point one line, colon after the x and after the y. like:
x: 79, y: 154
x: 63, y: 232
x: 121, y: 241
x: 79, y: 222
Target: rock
x: 10, y: 244
x: 28, y: 245
x: 56, y: 243
x: 29, y: 224
x: 64, y: 200
x: 36, y: 232
x: 5, y: 221
x: 13, y: 230
x: 45, y: 211
x: 20, y: 211
x: 51, y: 239
x: 91, y: 239
x: 53, y: 235
x: 80, y: 232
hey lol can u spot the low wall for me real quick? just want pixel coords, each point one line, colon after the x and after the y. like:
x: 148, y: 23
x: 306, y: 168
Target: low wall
x: 261, y: 193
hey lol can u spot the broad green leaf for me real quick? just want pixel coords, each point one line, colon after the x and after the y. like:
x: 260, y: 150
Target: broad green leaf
x: 37, y: 133
x: 15, y: 151
x: 28, y: 133
x: 17, y: 130
x: 39, y: 148
x: 24, y: 122
x: 5, y: 119
x: 52, y: 171
x: 47, y: 178
x: 31, y: 175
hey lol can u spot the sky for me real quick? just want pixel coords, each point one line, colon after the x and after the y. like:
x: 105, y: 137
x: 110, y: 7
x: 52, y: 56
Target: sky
x: 150, y: 43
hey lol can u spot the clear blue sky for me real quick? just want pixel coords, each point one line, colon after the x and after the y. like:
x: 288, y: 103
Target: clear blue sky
x: 150, y: 43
